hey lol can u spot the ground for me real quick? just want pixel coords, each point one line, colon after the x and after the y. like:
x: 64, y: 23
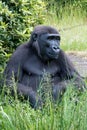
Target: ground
x: 79, y: 59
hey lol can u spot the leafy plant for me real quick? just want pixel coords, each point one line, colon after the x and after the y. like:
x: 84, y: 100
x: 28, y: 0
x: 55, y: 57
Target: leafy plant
x: 17, y: 18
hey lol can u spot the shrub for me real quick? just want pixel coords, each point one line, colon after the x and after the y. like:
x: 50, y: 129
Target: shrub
x: 17, y: 18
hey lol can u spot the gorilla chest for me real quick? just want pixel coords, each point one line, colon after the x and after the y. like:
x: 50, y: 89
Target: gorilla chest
x: 35, y: 70
x: 38, y: 68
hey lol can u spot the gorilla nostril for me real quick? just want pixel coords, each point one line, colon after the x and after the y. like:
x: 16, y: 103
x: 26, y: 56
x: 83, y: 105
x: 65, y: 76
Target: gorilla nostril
x: 55, y: 48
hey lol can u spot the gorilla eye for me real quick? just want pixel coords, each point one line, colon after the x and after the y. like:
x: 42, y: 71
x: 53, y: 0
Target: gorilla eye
x: 58, y: 38
x: 50, y: 38
x: 53, y: 38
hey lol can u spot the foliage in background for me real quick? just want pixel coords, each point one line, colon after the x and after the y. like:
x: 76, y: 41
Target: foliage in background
x: 70, y: 17
x: 70, y: 6
x: 17, y: 19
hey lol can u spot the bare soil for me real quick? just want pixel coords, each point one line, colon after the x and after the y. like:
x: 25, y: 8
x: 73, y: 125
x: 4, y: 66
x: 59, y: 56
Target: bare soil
x: 79, y: 59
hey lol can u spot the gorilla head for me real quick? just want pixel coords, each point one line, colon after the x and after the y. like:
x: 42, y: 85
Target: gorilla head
x: 46, y: 41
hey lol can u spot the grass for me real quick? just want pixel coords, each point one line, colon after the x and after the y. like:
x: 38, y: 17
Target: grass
x: 75, y: 39
x: 72, y: 28
x: 16, y: 115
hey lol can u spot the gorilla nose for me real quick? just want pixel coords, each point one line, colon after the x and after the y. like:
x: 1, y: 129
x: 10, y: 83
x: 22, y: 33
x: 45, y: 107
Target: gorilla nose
x: 55, y: 48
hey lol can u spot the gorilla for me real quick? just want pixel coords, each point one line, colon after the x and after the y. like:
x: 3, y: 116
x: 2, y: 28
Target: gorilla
x: 41, y: 54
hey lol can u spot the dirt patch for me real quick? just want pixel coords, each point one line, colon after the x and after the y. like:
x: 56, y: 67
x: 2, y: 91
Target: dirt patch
x: 79, y: 59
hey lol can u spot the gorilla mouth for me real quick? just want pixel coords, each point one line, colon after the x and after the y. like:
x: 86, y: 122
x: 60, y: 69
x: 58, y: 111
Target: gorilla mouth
x: 53, y: 55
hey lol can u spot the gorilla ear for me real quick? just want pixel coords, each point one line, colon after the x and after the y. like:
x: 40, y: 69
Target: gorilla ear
x: 34, y: 37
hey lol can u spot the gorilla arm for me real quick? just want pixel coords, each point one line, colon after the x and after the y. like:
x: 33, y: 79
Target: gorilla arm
x: 14, y: 73
x: 68, y: 72
x: 68, y: 75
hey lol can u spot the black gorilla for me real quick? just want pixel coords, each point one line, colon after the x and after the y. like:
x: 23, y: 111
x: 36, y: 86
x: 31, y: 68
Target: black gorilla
x: 30, y: 60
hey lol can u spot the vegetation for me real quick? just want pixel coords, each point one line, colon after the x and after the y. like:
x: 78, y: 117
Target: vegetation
x: 17, y: 19
x: 69, y: 114
x: 70, y: 17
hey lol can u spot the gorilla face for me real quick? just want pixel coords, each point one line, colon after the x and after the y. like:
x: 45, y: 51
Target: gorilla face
x: 49, y: 45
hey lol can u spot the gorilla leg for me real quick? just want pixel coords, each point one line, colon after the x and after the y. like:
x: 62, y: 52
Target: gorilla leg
x: 28, y: 92
x: 25, y: 91
x: 59, y: 89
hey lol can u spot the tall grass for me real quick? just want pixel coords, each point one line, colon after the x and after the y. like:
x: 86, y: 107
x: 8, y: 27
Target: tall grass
x: 69, y: 114
x: 71, y: 22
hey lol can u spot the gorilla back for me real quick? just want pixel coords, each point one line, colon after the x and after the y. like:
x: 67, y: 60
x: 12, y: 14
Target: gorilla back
x: 41, y: 54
